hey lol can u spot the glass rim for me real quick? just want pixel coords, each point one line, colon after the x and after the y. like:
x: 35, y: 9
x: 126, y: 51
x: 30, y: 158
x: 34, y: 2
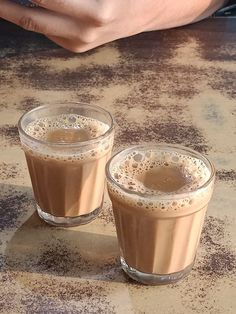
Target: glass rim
x: 75, y: 144
x: 150, y: 146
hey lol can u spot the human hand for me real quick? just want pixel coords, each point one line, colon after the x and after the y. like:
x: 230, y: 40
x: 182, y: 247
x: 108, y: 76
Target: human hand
x: 80, y: 25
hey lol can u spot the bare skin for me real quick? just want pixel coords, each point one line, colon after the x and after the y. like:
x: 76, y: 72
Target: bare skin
x: 80, y: 25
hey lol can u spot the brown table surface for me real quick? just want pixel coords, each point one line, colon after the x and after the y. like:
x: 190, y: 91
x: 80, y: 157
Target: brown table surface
x: 175, y: 86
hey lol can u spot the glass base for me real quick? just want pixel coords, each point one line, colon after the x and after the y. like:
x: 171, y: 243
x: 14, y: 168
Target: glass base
x: 67, y: 221
x: 154, y: 279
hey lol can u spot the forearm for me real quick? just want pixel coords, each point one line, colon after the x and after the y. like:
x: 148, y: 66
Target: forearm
x: 177, y: 13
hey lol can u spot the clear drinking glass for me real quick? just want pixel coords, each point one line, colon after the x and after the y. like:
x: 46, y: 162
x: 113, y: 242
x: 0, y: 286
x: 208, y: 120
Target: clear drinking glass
x: 159, y: 195
x: 66, y: 148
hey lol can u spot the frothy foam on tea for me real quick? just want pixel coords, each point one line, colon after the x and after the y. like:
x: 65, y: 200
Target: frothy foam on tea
x: 76, y: 128
x: 68, y: 129
x: 159, y: 173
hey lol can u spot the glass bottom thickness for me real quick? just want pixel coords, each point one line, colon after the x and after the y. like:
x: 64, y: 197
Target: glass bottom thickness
x: 154, y: 279
x: 67, y: 221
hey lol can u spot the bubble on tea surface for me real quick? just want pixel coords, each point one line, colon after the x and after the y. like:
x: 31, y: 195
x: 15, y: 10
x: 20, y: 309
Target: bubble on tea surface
x: 175, y: 158
x: 138, y: 157
x: 72, y: 119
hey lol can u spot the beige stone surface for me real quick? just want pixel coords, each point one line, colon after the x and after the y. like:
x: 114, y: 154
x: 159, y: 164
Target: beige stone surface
x: 175, y: 86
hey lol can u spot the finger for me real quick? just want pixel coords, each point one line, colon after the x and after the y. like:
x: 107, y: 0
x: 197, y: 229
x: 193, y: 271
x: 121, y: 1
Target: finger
x: 65, y: 43
x: 75, y: 8
x: 74, y: 46
x: 38, y: 20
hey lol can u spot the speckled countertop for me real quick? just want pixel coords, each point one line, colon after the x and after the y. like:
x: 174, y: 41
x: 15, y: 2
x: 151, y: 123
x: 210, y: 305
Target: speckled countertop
x: 175, y: 86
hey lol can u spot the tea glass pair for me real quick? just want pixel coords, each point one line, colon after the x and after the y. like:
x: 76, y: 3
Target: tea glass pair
x: 157, y: 244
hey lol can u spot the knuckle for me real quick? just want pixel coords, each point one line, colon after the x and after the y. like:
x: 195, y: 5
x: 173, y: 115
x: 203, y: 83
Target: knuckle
x: 103, y: 15
x: 28, y: 23
x: 79, y: 49
x: 88, y: 36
